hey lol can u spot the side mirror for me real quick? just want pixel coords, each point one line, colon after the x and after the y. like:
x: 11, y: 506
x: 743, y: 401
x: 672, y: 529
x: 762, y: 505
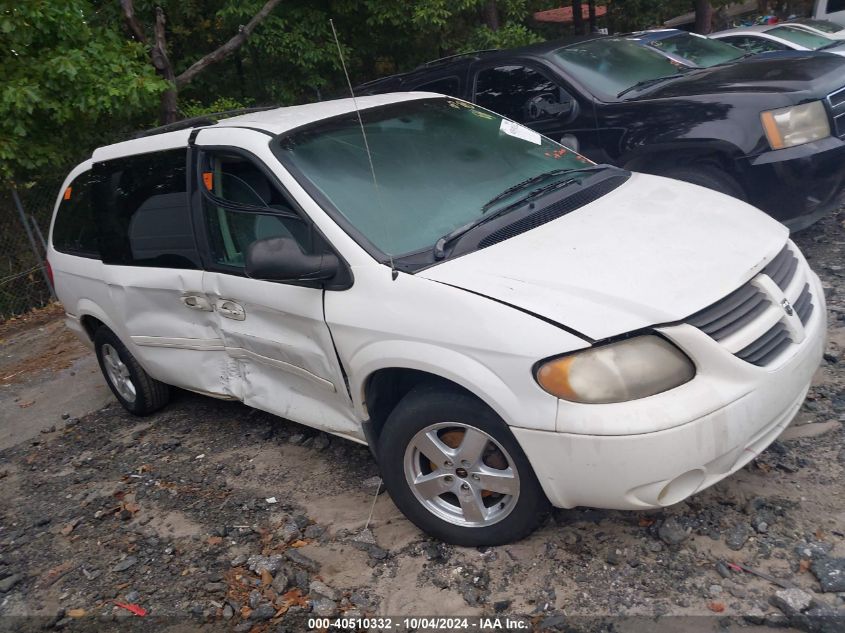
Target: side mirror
x: 544, y: 106
x: 281, y: 259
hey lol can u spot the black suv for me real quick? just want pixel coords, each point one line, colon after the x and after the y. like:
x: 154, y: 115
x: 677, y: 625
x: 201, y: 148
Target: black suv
x: 769, y: 131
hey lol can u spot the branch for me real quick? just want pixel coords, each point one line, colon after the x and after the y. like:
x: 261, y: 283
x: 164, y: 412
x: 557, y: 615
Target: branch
x: 132, y: 21
x: 159, y: 50
x: 229, y: 47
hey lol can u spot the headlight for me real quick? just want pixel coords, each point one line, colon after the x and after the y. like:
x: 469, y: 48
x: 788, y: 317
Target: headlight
x: 796, y: 125
x: 618, y: 372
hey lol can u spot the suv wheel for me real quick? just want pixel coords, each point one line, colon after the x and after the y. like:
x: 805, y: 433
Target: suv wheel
x: 135, y: 389
x: 454, y: 468
x: 709, y: 177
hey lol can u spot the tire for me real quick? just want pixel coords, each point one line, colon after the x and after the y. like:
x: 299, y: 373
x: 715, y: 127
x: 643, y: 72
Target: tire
x: 139, y: 393
x: 709, y: 177
x: 454, y: 426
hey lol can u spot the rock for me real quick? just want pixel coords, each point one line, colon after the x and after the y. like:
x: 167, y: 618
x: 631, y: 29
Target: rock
x: 714, y: 591
x: 324, y: 608
x: 655, y: 547
x: 830, y: 573
x: 257, y: 562
x: 736, y: 537
x: 762, y: 527
x: 613, y: 556
x: 364, y: 537
x: 133, y: 596
x: 125, y: 564
x: 65, y: 416
x: 553, y: 622
x: 254, y: 599
x: 813, y: 550
x: 501, y: 606
x: 301, y: 521
x: 831, y: 358
x: 723, y: 570
x: 298, y: 558
x: 263, y: 612
x: 322, y: 589
x: 377, y: 552
x: 321, y: 442
x: 314, y: 531
x: 215, y: 587
x: 671, y: 532
x: 280, y: 582
x: 296, y: 438
x: 288, y: 532
x: 792, y: 601
x: 228, y: 612
x: 7, y: 583
x: 239, y: 560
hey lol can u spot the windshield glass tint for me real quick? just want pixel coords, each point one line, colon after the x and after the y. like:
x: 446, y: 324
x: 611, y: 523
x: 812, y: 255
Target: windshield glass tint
x: 437, y: 162
x: 800, y: 37
x: 609, y: 66
x: 821, y: 25
x: 699, y: 50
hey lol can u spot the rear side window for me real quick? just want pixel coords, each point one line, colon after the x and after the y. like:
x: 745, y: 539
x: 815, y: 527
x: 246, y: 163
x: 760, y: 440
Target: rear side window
x: 509, y: 91
x: 75, y: 229
x: 755, y: 45
x: 834, y: 6
x: 446, y: 86
x: 142, y: 208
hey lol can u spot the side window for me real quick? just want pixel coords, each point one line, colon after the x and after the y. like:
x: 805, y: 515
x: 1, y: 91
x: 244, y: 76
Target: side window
x: 447, y: 86
x: 754, y: 45
x: 241, y: 205
x: 75, y: 229
x: 834, y: 6
x: 520, y: 93
x: 142, y: 208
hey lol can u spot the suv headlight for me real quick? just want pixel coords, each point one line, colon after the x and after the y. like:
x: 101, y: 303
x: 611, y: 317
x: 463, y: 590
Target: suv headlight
x: 618, y: 372
x: 788, y: 127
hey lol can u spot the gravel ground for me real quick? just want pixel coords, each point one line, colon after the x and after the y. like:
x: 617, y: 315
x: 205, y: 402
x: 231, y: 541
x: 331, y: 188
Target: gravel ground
x: 211, y: 514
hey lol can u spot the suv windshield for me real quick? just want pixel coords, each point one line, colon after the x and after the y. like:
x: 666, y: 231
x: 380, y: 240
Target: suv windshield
x: 698, y: 50
x: 822, y: 25
x: 437, y: 162
x: 611, y: 66
x: 802, y: 38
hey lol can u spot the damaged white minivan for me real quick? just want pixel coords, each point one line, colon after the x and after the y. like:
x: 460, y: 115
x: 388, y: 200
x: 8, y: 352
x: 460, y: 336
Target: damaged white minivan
x: 507, y: 325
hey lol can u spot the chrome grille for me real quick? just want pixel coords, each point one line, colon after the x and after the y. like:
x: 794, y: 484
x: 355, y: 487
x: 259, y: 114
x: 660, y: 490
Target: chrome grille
x: 750, y: 322
x: 836, y: 101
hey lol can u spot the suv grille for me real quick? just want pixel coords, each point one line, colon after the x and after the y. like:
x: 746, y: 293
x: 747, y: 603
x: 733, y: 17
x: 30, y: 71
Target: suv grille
x: 836, y: 101
x: 753, y: 325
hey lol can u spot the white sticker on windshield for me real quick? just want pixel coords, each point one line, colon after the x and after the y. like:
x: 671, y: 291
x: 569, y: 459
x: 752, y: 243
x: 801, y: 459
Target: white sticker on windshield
x: 520, y: 131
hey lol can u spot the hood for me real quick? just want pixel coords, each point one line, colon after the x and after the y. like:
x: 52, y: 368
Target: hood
x: 808, y: 73
x: 652, y: 251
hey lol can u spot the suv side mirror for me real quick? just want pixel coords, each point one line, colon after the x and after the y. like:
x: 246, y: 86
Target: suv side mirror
x: 281, y: 259
x: 545, y: 106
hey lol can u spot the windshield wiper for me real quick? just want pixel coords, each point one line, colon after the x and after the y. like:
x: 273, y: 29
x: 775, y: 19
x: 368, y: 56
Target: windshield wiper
x: 521, y: 185
x: 648, y: 82
x: 440, y: 245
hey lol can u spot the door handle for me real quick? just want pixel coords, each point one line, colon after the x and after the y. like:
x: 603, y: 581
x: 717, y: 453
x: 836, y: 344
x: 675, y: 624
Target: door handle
x: 231, y: 309
x: 197, y: 302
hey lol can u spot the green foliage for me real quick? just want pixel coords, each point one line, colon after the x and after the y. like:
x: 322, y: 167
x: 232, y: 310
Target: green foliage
x: 508, y: 36
x: 191, y: 109
x: 61, y: 81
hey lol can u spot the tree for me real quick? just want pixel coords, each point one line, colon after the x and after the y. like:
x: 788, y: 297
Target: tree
x: 62, y: 81
x: 168, y: 112
x: 703, y: 16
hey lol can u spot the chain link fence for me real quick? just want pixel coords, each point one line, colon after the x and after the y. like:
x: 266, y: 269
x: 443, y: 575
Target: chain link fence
x: 23, y: 230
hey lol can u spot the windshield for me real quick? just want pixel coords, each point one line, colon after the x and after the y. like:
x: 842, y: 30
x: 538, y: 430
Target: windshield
x: 610, y: 66
x: 698, y: 50
x: 802, y: 38
x: 437, y: 163
x: 821, y: 25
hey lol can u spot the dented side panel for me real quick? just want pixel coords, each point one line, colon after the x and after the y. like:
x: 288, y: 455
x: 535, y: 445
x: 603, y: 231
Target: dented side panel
x: 283, y: 350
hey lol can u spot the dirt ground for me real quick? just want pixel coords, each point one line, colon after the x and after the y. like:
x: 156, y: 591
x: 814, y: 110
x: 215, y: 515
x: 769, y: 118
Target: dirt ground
x: 209, y: 514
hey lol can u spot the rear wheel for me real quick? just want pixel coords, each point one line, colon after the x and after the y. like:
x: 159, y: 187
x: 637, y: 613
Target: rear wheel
x: 707, y: 176
x: 454, y: 468
x: 135, y: 389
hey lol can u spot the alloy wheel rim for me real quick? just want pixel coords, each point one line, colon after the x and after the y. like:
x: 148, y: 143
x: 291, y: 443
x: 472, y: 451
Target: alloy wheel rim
x: 118, y: 373
x: 461, y: 474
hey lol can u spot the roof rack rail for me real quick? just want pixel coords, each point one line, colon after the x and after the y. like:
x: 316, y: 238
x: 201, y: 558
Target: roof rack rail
x: 441, y: 60
x: 199, y: 121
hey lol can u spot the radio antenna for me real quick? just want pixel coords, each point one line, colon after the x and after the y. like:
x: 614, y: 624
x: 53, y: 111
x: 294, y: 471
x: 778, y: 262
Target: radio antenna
x: 393, y: 272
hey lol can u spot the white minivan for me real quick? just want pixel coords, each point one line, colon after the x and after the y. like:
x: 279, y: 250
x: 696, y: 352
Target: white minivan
x: 504, y: 323
x: 833, y: 10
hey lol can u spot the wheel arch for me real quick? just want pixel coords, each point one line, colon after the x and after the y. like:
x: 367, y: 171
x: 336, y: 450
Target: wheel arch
x: 654, y: 158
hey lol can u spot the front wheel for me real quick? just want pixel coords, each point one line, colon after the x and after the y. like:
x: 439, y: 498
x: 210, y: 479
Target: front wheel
x: 455, y: 470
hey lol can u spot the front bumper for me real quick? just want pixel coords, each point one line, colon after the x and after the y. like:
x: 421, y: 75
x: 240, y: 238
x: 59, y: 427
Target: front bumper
x: 660, y: 468
x: 798, y: 185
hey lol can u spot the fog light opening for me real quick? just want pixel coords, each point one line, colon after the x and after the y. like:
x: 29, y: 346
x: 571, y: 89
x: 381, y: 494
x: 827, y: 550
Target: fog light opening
x: 680, y: 487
